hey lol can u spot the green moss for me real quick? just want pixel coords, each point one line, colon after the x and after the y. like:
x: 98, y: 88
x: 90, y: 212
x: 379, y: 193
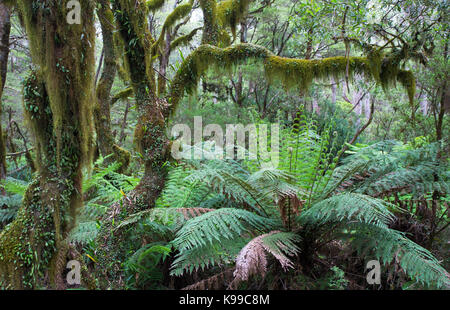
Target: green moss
x: 231, y: 12
x: 218, y: 17
x: 300, y: 72
x: 290, y: 72
x: 153, y: 5
x: 57, y: 106
x: 178, y: 13
x: 28, y: 243
x: 131, y: 19
x: 68, y: 80
x: 375, y: 58
x: 211, y: 26
x: 183, y: 40
x: 122, y: 156
x: 123, y: 94
x: 408, y: 81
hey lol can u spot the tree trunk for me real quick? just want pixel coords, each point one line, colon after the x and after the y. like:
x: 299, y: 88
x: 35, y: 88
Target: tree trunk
x: 149, y: 137
x: 33, y: 248
x: 102, y: 113
x: 5, y: 28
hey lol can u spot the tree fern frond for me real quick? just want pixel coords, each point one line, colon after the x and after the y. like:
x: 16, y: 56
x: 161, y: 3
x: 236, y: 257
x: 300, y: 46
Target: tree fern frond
x: 9, y: 206
x: 189, y: 213
x: 218, y: 225
x: 346, y: 206
x: 181, y: 192
x: 84, y: 232
x: 164, y: 215
x: 252, y: 258
x: 388, y: 245
x: 386, y: 167
x: 201, y: 257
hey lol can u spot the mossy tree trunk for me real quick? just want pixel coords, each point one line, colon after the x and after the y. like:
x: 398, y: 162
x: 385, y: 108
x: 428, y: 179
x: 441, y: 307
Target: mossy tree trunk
x: 140, y: 49
x: 150, y: 137
x: 5, y: 28
x: 102, y: 115
x: 57, y: 98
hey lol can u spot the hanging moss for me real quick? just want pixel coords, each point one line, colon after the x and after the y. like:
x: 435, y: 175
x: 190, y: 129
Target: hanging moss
x: 375, y: 58
x: 57, y: 106
x: 68, y: 80
x: 292, y: 73
x: 218, y: 17
x: 178, y: 13
x: 231, y: 12
x: 301, y: 72
x: 153, y: 5
x: 408, y: 81
x: 183, y: 40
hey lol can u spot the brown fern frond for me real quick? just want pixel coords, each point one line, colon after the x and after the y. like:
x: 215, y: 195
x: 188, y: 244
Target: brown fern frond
x: 216, y: 282
x: 252, y: 258
x: 189, y: 213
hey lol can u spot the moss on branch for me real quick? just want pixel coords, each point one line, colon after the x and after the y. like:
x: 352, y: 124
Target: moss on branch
x: 292, y: 73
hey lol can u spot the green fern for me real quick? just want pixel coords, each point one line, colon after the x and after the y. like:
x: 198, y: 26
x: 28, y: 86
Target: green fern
x: 349, y: 206
x: 390, y: 246
x: 105, y: 186
x: 218, y: 225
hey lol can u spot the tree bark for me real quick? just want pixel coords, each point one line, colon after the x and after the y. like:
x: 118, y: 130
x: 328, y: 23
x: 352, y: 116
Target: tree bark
x: 149, y: 137
x: 102, y: 114
x: 5, y: 28
x: 57, y: 99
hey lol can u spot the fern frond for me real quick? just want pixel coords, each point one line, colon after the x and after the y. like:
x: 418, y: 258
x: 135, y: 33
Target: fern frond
x: 386, y: 167
x: 181, y: 192
x: 189, y: 213
x: 164, y: 215
x: 252, y: 258
x: 215, y: 282
x: 217, y: 225
x: 84, y: 232
x: 216, y: 253
x: 14, y: 186
x: 9, y: 206
x: 389, y: 246
x: 347, y: 206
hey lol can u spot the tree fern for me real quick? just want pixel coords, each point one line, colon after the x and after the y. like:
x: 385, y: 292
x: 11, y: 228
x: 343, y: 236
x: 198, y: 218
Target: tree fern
x: 365, y: 221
